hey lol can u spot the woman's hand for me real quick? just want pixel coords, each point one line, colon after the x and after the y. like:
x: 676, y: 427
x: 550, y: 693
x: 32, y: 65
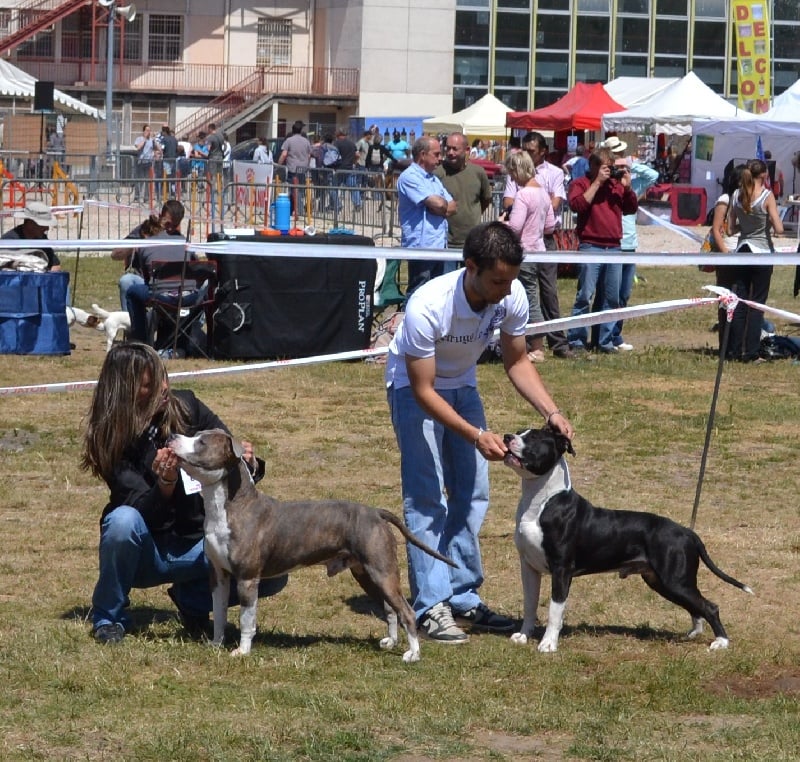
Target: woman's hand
x: 165, y: 466
x: 248, y: 454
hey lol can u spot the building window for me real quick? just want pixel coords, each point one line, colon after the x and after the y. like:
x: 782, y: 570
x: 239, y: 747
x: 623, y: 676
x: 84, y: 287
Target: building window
x: 591, y: 67
x: 165, y: 34
x: 131, y: 33
x: 472, y: 28
x: 5, y: 20
x: 552, y: 71
x: 593, y: 33
x: 671, y: 8
x: 76, y: 35
x: 786, y: 10
x: 552, y: 32
x: 633, y: 35
x: 630, y: 66
x: 709, y: 39
x: 714, y: 9
x: 39, y: 46
x: 274, y: 44
x: 513, y: 31
x: 510, y: 69
x: 641, y: 7
x: 672, y: 38
x: 472, y: 67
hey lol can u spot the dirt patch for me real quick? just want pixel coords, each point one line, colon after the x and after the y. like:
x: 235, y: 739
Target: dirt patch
x: 771, y: 682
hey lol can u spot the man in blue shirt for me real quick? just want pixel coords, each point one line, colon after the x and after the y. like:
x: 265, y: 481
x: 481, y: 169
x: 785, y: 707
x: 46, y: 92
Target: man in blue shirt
x: 424, y: 206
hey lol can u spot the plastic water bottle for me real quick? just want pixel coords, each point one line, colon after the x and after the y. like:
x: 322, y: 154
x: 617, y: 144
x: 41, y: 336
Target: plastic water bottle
x: 283, y: 213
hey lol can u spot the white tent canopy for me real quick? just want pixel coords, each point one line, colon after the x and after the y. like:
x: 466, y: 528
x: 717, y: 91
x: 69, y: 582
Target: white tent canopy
x: 484, y: 118
x: 786, y: 107
x: 15, y: 83
x: 673, y: 109
x: 717, y: 142
x: 632, y: 91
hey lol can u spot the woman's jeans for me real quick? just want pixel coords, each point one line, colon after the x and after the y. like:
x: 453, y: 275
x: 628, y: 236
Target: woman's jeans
x: 132, y: 557
x: 445, y: 484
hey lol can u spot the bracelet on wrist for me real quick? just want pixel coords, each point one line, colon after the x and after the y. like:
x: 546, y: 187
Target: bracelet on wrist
x: 549, y: 417
x: 478, y: 436
x: 167, y: 482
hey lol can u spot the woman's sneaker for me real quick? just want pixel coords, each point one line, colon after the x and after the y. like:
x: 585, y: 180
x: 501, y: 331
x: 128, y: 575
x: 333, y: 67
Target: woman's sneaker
x: 437, y: 624
x: 484, y: 619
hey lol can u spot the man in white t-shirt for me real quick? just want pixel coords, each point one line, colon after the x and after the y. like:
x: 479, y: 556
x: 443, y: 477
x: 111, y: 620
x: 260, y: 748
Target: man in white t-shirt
x: 440, y: 425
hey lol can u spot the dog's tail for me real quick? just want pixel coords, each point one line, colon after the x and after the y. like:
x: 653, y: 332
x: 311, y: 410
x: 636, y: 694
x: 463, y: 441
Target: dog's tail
x: 99, y: 311
x: 403, y: 529
x: 701, y: 549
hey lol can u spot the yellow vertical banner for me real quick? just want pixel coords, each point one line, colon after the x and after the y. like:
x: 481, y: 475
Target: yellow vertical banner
x: 753, y: 54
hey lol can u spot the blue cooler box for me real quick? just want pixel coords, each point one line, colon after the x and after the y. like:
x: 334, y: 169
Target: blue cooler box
x: 33, y: 317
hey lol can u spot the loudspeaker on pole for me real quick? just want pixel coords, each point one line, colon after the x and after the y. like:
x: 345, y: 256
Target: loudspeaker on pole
x: 43, y: 96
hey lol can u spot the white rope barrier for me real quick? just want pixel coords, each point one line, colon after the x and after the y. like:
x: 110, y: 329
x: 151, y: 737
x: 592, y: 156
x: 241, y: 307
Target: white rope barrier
x: 724, y: 298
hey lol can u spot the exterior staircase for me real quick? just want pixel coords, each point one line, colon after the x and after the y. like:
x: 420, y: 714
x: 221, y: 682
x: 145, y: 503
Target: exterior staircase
x: 230, y: 109
x: 31, y: 17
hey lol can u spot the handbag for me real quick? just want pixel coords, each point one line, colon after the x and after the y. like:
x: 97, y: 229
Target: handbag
x: 566, y: 239
x: 708, y: 245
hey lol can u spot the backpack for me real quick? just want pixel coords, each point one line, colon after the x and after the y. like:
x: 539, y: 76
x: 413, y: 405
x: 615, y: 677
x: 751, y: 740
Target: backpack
x: 330, y: 155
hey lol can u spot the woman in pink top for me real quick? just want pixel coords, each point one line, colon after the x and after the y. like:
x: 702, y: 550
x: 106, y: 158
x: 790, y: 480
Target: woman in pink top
x: 530, y: 218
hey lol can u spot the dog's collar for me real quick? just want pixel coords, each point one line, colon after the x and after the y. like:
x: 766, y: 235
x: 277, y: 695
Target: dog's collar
x: 539, y: 489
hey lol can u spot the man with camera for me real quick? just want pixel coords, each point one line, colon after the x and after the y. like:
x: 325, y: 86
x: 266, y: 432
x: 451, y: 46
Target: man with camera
x: 599, y: 200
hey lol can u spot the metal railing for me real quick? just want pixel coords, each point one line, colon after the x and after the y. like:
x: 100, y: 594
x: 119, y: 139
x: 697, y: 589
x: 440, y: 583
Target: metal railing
x: 113, y: 200
x: 200, y: 79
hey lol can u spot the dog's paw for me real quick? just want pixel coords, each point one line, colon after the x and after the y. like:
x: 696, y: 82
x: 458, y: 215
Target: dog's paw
x: 548, y: 646
x: 520, y: 638
x: 410, y: 656
x: 387, y: 643
x: 718, y: 643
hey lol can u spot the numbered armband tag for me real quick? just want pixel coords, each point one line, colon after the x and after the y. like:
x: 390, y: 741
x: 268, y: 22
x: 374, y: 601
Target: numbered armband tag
x: 190, y: 485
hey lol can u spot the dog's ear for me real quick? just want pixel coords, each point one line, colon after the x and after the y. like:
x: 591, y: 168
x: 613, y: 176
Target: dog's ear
x: 236, y: 446
x: 564, y: 443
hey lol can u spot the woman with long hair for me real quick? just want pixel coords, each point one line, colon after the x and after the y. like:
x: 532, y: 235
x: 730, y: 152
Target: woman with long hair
x: 754, y: 213
x: 151, y: 529
x: 530, y: 218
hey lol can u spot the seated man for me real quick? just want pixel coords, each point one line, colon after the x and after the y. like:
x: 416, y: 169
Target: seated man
x: 36, y: 221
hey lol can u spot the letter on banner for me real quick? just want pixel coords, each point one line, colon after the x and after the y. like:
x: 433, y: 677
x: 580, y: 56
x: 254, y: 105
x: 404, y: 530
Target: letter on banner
x: 751, y: 21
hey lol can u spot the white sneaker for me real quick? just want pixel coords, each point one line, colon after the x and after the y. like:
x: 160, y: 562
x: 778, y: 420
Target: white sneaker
x: 625, y: 347
x: 437, y: 623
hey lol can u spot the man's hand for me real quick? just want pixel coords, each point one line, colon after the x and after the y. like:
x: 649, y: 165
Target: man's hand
x: 603, y: 175
x: 491, y: 446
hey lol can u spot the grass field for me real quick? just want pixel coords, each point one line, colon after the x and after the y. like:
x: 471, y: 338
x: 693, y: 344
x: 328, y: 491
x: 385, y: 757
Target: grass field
x: 624, y: 685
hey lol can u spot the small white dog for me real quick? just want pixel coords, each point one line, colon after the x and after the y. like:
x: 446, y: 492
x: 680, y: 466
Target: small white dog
x: 112, y: 323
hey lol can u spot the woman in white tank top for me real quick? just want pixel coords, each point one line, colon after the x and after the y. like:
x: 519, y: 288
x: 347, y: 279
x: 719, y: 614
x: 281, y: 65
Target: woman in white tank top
x: 754, y: 213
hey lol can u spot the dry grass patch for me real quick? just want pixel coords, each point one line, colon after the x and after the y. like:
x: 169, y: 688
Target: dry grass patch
x: 625, y: 685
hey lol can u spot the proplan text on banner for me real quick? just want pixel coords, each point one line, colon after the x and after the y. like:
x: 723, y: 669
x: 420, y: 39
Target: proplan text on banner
x: 753, y: 54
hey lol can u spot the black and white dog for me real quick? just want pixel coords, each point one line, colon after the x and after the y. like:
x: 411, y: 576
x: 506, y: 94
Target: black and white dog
x: 560, y: 532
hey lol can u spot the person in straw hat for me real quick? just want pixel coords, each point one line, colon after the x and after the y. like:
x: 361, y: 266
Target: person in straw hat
x: 37, y: 219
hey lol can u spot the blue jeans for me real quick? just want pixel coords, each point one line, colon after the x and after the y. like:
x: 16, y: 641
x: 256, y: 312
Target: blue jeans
x: 350, y: 179
x: 132, y: 557
x: 589, y: 275
x: 445, y: 498
x: 125, y: 282
x: 137, y: 297
x: 625, y: 291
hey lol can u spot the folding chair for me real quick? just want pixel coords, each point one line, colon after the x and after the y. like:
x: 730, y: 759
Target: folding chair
x: 181, y: 302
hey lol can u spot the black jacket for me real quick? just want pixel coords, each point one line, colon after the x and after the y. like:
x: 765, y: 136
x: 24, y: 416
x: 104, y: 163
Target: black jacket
x: 134, y: 482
